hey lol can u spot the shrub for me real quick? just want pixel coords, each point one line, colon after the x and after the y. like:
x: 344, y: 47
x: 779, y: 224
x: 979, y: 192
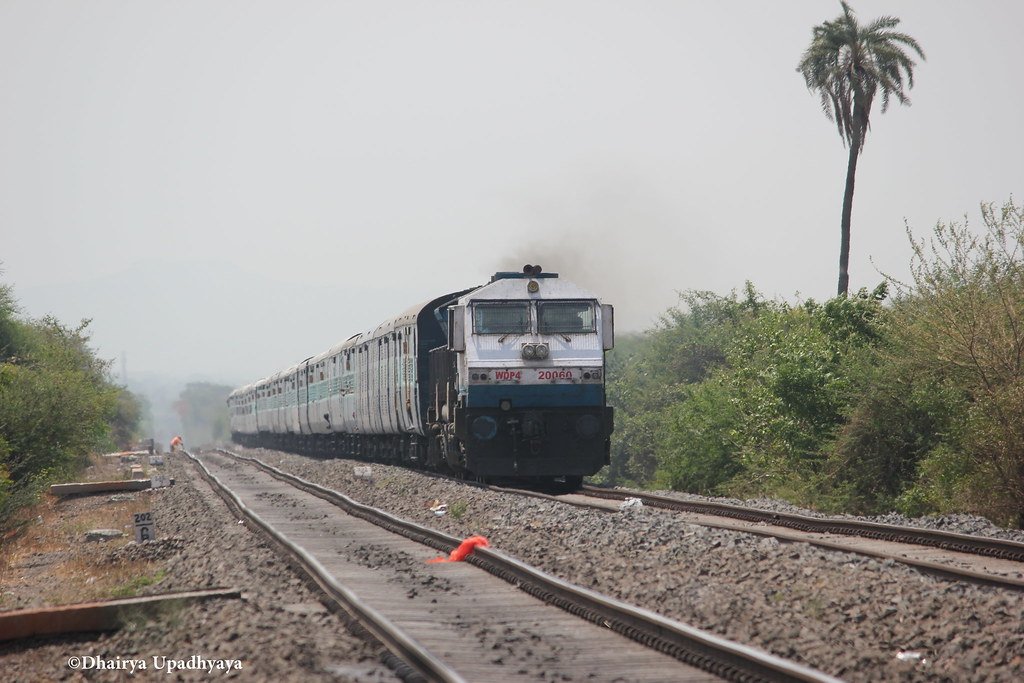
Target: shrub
x: 56, y: 403
x: 848, y: 403
x: 963, y: 328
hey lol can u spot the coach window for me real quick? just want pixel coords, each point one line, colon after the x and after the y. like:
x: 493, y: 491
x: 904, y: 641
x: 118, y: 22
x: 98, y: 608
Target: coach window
x: 567, y: 317
x: 501, y: 318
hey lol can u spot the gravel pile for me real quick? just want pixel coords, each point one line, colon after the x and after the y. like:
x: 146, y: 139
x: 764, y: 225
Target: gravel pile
x: 278, y: 630
x: 160, y: 549
x: 854, y: 617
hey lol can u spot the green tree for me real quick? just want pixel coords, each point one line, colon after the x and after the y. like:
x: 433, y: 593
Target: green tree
x: 56, y: 406
x: 125, y: 422
x: 8, y: 323
x: 791, y: 380
x: 962, y: 328
x: 648, y: 375
x: 902, y: 414
x: 743, y: 395
x: 848, y: 65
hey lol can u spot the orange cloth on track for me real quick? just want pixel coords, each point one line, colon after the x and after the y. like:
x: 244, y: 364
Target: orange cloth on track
x: 464, y: 549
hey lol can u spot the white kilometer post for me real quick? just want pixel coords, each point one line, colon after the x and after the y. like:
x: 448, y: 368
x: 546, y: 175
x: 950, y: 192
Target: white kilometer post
x: 145, y: 527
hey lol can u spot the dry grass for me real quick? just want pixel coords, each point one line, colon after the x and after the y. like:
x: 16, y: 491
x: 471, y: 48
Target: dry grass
x: 111, y: 468
x: 48, y: 562
x: 84, y: 579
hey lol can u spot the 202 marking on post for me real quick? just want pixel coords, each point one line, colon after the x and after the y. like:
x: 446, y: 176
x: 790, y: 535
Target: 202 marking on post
x: 145, y: 527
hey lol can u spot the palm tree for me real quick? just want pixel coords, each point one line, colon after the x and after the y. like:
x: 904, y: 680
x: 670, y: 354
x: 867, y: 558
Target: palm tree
x: 848, y: 64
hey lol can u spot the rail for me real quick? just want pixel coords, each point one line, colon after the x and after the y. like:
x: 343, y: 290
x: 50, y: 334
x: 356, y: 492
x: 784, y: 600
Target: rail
x: 946, y: 540
x: 732, y: 661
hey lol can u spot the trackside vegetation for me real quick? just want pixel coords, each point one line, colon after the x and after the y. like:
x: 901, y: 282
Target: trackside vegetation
x: 57, y: 404
x: 907, y: 397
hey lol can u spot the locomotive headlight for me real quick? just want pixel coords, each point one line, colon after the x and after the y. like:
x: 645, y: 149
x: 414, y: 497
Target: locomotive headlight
x: 588, y: 426
x: 484, y: 427
x: 542, y: 351
x: 529, y: 351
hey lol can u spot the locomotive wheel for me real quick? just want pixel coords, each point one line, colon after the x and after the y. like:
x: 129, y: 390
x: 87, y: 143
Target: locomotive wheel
x: 567, y: 484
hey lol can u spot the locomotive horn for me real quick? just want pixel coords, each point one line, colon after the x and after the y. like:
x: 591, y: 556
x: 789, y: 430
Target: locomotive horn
x: 527, y: 269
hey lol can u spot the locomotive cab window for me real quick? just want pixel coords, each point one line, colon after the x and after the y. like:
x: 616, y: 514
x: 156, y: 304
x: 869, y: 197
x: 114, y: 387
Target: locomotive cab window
x: 566, y: 317
x: 501, y: 318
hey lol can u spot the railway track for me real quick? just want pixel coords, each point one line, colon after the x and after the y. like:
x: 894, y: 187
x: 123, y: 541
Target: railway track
x: 454, y: 622
x: 983, y: 560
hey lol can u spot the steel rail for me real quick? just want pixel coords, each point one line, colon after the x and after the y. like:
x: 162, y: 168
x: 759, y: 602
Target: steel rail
x: 946, y: 540
x: 407, y: 649
x: 948, y: 571
x: 732, y: 661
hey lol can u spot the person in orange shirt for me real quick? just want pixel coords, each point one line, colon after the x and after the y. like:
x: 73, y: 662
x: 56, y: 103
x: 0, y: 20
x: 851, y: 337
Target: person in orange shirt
x: 176, y: 444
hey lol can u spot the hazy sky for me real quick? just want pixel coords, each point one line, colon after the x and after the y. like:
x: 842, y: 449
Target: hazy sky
x: 228, y: 187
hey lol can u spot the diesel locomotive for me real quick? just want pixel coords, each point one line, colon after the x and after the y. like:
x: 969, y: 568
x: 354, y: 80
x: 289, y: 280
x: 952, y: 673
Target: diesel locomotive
x: 500, y: 381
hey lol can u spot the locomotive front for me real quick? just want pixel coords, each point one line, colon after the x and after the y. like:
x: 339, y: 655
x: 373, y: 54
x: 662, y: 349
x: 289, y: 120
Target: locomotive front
x: 530, y: 377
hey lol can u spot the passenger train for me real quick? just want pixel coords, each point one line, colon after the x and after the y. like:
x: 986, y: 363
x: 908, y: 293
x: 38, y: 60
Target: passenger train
x: 500, y: 381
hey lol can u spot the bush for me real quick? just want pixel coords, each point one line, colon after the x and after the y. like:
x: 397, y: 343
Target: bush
x: 56, y: 403
x: 846, y: 404
x: 649, y: 374
x: 742, y: 396
x: 899, y: 418
x: 699, y: 448
x: 963, y: 329
x: 794, y: 370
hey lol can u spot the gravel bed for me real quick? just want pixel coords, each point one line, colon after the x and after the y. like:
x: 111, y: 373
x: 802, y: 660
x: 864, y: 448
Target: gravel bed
x: 961, y: 524
x: 856, y: 618
x: 278, y: 630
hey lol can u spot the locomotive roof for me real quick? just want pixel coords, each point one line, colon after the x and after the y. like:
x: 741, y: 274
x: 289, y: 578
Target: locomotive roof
x: 503, y: 285
x: 516, y: 288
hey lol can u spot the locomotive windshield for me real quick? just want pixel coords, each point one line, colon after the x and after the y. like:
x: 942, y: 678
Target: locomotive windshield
x: 565, y: 317
x: 501, y: 318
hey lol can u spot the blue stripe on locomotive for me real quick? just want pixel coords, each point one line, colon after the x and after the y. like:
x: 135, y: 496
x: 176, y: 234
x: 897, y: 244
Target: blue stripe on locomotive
x: 536, y: 395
